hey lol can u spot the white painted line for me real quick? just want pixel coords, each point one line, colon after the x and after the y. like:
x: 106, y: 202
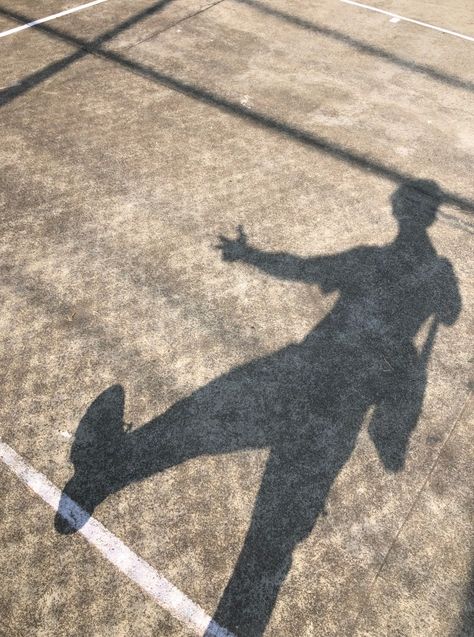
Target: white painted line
x: 400, y: 17
x: 50, y: 17
x: 134, y: 567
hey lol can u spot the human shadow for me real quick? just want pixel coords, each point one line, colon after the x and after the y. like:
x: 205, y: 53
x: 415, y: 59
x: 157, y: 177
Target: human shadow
x: 466, y: 622
x: 305, y: 403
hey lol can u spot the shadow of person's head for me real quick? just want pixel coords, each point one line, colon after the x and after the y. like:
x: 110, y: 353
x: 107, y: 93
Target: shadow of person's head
x: 415, y: 202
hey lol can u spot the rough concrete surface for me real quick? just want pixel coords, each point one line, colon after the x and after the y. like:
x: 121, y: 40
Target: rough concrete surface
x: 236, y: 278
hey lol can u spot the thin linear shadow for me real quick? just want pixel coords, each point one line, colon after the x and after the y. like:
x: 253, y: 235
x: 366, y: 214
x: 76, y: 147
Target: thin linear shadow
x: 30, y: 81
x: 27, y: 83
x: 304, y: 403
x: 361, y: 46
x: 351, y: 157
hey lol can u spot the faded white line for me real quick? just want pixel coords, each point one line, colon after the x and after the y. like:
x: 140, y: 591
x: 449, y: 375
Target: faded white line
x: 395, y: 18
x: 28, y: 25
x: 134, y: 567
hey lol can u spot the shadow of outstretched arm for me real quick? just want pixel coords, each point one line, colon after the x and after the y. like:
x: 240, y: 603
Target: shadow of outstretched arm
x: 282, y: 265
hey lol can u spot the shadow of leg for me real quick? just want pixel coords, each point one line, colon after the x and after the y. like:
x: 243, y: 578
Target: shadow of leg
x: 97, y: 450
x: 282, y: 517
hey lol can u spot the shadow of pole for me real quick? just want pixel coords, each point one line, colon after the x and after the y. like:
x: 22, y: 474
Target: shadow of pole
x: 361, y: 46
x: 349, y: 156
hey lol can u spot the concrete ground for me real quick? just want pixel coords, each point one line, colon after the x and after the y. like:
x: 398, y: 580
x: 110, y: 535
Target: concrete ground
x: 277, y: 418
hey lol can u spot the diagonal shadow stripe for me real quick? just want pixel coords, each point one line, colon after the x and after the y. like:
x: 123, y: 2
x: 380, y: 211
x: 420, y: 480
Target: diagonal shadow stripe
x: 361, y: 46
x: 349, y: 156
x: 30, y: 81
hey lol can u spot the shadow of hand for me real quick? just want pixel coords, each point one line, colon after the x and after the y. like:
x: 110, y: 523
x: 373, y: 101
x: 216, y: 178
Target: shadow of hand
x: 234, y: 249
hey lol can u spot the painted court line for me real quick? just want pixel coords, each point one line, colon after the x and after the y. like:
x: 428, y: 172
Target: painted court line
x: 397, y: 17
x: 134, y: 567
x: 50, y: 17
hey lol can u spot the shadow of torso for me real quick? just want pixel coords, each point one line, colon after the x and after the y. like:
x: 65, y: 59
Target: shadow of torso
x: 355, y: 357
